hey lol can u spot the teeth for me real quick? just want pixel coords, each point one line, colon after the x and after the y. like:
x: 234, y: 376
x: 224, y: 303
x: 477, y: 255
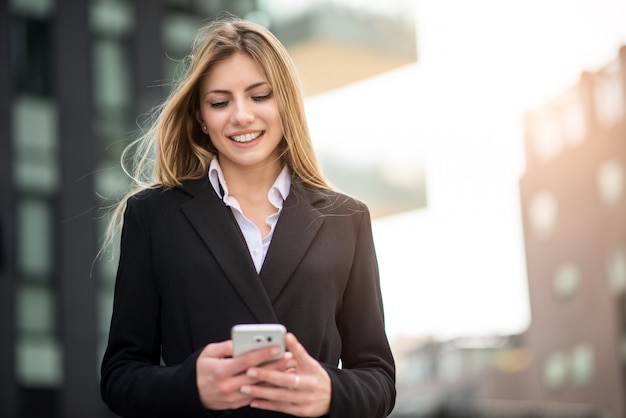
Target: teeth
x: 246, y: 138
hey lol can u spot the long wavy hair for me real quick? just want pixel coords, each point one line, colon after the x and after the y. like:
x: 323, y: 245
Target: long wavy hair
x: 174, y: 148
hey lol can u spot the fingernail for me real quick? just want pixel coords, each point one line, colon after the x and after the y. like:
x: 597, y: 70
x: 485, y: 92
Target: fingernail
x: 245, y: 389
x: 291, y: 364
x: 252, y: 373
x: 275, y: 351
x: 254, y: 405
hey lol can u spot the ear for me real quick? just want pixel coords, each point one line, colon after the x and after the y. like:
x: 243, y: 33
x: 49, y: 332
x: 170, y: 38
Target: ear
x: 200, y: 121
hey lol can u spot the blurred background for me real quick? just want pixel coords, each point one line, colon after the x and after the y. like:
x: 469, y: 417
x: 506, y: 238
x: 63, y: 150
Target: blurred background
x: 487, y: 137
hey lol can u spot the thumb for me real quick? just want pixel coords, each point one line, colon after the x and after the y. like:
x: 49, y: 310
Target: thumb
x: 218, y: 350
x: 300, y: 355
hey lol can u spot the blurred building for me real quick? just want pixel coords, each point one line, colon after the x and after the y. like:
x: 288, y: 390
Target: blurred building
x: 76, y: 77
x: 449, y: 378
x: 574, y: 213
x: 475, y: 377
x: 571, y: 361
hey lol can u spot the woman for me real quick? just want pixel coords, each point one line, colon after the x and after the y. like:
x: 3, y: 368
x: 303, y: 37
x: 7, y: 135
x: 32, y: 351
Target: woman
x: 238, y: 226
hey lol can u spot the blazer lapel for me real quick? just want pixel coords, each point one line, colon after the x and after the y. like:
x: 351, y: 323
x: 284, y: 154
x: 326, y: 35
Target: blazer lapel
x: 297, y: 225
x: 214, y: 223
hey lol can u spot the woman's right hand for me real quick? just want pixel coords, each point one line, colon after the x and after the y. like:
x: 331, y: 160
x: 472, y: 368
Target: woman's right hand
x: 220, y: 377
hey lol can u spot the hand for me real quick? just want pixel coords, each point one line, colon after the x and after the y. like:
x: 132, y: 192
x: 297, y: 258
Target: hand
x: 304, y: 390
x: 219, y: 376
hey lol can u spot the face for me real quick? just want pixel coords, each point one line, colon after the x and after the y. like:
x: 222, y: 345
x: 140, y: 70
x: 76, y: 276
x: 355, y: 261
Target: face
x: 238, y: 108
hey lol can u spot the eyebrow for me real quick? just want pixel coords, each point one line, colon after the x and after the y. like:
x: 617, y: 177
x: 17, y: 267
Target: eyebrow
x: 250, y: 87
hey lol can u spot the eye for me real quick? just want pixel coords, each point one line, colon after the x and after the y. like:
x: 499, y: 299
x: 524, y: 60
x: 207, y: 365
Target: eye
x: 262, y: 98
x: 218, y: 105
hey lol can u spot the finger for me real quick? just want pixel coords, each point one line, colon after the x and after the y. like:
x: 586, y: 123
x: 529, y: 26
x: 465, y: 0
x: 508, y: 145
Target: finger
x: 274, y: 394
x: 255, y: 358
x: 300, y: 355
x: 218, y: 350
x: 277, y: 379
x: 284, y: 407
x: 286, y: 364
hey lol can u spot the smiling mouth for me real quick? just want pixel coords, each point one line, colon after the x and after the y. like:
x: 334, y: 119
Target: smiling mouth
x: 242, y: 139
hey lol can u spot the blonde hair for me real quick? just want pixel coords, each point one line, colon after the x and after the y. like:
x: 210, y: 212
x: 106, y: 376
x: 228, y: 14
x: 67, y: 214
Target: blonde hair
x: 174, y: 148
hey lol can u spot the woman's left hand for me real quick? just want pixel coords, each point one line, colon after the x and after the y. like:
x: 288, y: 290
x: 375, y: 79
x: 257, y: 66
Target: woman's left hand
x: 304, y: 390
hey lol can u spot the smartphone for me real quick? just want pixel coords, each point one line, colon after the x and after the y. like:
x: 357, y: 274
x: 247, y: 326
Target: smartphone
x: 249, y: 337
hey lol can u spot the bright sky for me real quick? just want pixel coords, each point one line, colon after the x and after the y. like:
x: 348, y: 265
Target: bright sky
x: 458, y: 267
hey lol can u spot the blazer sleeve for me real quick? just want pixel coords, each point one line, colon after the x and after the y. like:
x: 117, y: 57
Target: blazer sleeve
x: 365, y: 385
x: 134, y: 383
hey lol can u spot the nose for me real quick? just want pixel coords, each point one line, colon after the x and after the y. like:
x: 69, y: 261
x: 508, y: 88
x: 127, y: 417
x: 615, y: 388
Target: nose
x: 242, y: 114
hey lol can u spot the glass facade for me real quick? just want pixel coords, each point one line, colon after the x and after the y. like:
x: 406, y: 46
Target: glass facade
x: 38, y: 366
x: 111, y: 24
x: 44, y: 377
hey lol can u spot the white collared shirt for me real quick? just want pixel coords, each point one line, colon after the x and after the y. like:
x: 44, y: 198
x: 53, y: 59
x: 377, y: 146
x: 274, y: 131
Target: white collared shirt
x: 257, y: 244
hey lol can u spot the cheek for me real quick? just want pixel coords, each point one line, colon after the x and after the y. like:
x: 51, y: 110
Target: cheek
x: 273, y: 116
x: 213, y: 133
x: 214, y: 122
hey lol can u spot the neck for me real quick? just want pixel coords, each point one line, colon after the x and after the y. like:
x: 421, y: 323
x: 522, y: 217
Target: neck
x: 250, y: 182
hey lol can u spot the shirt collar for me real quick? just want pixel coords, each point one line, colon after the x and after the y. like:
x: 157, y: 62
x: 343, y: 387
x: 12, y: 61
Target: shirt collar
x: 216, y: 177
x: 282, y: 184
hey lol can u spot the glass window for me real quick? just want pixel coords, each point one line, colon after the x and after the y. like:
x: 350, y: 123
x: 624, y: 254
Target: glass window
x: 610, y: 182
x: 547, y: 139
x: 35, y: 309
x: 114, y: 130
x: 111, y: 182
x: 34, y: 235
x: 172, y: 69
x: 179, y: 32
x: 35, y: 121
x: 609, y: 95
x: 562, y: 123
x: 555, y: 370
x: 112, y: 71
x: 35, y: 171
x: 38, y: 361
x: 259, y: 17
x: 32, y: 55
x: 543, y: 213
x: 582, y: 364
x: 34, y: 8
x: 35, y: 144
x: 111, y: 17
x: 566, y: 280
x: 573, y: 117
x: 209, y: 8
x: 616, y: 271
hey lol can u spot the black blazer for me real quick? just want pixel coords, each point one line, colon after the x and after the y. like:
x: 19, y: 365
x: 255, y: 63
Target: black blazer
x: 185, y: 277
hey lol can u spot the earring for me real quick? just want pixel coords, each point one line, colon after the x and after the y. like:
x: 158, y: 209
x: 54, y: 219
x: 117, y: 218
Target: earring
x: 203, y: 127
